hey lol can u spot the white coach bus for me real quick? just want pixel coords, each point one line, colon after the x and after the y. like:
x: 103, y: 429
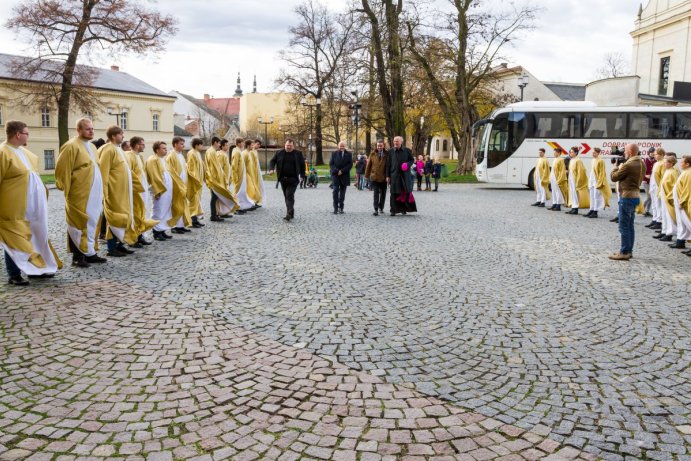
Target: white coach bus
x: 506, y: 144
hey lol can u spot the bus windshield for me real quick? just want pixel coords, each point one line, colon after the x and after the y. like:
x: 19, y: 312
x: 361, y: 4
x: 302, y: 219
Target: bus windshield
x: 508, y: 133
x: 479, y: 130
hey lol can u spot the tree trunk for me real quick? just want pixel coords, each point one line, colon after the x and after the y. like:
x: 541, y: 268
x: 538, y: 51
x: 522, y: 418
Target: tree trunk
x: 318, y: 135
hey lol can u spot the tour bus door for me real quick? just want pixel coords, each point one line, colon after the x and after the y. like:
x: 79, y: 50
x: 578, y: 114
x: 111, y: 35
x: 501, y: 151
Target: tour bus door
x: 514, y: 175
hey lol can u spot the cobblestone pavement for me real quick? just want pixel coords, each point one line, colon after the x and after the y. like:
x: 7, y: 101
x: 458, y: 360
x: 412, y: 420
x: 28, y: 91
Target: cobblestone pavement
x: 478, y: 328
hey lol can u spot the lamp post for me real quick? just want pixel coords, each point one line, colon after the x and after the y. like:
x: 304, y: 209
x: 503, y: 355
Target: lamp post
x: 266, y: 141
x: 356, y: 118
x: 305, y: 103
x: 522, y: 83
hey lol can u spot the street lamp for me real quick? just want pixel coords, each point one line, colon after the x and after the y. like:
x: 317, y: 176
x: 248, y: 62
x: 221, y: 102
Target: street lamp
x: 304, y: 102
x: 266, y: 141
x: 356, y: 118
x: 522, y: 83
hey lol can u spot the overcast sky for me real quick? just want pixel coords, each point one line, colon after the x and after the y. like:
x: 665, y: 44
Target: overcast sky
x: 219, y: 38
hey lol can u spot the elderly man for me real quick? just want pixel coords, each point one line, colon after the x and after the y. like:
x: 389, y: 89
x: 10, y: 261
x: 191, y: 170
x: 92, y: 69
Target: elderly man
x: 375, y: 172
x: 289, y: 166
x: 629, y: 176
x: 340, y: 165
x: 23, y: 210
x: 398, y: 177
x: 77, y: 174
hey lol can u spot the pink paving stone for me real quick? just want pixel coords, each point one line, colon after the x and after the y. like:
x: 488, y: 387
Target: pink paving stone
x: 60, y: 447
x: 464, y: 445
x: 370, y: 445
x: 389, y: 449
x: 380, y: 435
x: 532, y: 454
x: 401, y: 436
x: 319, y: 452
x: 344, y: 455
x: 160, y: 456
x: 548, y: 445
x: 511, y: 431
x: 517, y: 445
x: 420, y: 449
x: 483, y: 454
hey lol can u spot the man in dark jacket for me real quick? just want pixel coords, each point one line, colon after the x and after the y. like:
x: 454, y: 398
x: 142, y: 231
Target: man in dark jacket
x: 629, y: 175
x: 399, y: 178
x: 289, y: 166
x: 375, y: 172
x: 340, y: 165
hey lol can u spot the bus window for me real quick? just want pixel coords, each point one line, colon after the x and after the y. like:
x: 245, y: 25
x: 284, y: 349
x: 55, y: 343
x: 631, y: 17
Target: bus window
x: 479, y: 141
x: 656, y: 125
x: 508, y: 132
x: 557, y: 125
x: 602, y: 125
x: 682, y: 126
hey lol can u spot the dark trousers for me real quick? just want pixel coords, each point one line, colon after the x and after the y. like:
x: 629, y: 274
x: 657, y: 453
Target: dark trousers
x: 627, y: 212
x: 338, y: 194
x: 379, y: 194
x: 419, y: 182
x: 428, y: 181
x: 11, y: 267
x: 289, y: 185
x: 74, y: 249
x: 214, y: 199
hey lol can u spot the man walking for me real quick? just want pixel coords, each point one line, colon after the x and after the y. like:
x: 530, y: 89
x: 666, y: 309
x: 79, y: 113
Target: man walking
x: 629, y: 176
x: 541, y: 179
x: 141, y: 200
x: 375, y: 172
x: 78, y: 176
x: 398, y: 164
x: 289, y: 166
x: 23, y: 210
x: 340, y: 165
x: 178, y: 166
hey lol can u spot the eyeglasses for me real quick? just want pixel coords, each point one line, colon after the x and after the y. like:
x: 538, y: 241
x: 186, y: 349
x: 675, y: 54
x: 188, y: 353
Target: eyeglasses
x: 26, y: 134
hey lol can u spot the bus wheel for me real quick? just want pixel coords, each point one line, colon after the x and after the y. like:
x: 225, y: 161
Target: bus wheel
x: 531, y: 179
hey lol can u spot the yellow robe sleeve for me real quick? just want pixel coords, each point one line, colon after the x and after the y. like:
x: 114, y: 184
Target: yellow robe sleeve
x: 154, y: 175
x: 137, y: 186
x: 669, y: 179
x: 602, y: 182
x: 684, y: 191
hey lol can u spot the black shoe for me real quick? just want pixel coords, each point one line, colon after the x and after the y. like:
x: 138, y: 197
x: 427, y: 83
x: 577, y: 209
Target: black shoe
x: 593, y: 215
x: 141, y: 240
x: 650, y: 226
x: 166, y: 236
x: 573, y: 211
x: 542, y: 205
x: 287, y: 217
x: 185, y: 230
x: 404, y: 212
x: 659, y: 236
x: 216, y: 219
x: 335, y: 211
x: 41, y: 276
x: 657, y: 226
x: 116, y: 253
x: 197, y: 225
x: 687, y: 252
x: 137, y: 245
x: 535, y: 204
x: 95, y: 259
x: 381, y: 210
x: 587, y: 215
x: 177, y: 230
x: 647, y: 214
x: 124, y: 249
x: 241, y: 212
x: 80, y: 262
x: 614, y: 219
x: 666, y: 238
x: 376, y: 213
x: 18, y: 280
x: 160, y: 237
x: 679, y: 244
x: 393, y: 213
x: 340, y: 211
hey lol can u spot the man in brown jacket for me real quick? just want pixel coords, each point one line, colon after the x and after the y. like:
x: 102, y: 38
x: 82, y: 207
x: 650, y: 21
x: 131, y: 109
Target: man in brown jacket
x: 629, y: 176
x: 375, y: 172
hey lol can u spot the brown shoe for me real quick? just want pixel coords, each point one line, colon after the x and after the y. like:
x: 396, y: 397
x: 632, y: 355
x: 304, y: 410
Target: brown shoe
x: 620, y: 257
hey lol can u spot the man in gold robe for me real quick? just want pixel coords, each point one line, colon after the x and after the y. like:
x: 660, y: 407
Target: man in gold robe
x: 578, y: 183
x: 238, y: 180
x: 141, y: 200
x: 600, y: 191
x: 161, y: 185
x: 77, y: 174
x: 23, y: 210
x: 117, y: 194
x: 178, y: 167
x: 541, y: 179
x: 261, y: 191
x: 251, y: 172
x: 223, y: 201
x: 682, y: 204
x: 559, y: 182
x: 654, y: 189
x: 669, y: 216
x: 195, y: 179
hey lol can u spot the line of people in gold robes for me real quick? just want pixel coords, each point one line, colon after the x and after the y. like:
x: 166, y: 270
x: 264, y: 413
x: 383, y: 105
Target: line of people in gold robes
x: 572, y: 186
x: 139, y: 200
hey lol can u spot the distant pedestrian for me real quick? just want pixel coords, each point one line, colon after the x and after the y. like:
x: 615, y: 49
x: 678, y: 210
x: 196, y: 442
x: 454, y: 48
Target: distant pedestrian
x: 419, y: 171
x: 375, y: 172
x: 288, y: 164
x: 649, y: 162
x: 360, y: 166
x: 436, y: 172
x: 340, y: 165
x: 429, y: 166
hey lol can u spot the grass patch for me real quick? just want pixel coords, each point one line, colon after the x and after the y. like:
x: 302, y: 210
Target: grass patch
x: 48, y: 178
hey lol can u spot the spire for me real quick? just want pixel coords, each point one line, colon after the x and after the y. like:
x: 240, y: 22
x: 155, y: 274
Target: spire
x: 238, y: 90
x: 254, y: 86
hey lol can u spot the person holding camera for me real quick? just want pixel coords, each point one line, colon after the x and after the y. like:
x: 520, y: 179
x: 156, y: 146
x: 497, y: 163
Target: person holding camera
x: 617, y: 160
x: 629, y: 176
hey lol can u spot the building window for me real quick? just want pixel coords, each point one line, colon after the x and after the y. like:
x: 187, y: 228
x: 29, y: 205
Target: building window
x: 88, y: 115
x: 2, y: 119
x: 49, y: 159
x: 154, y: 122
x: 436, y: 145
x: 445, y: 145
x: 45, y: 117
x: 122, y: 120
x: 664, y: 76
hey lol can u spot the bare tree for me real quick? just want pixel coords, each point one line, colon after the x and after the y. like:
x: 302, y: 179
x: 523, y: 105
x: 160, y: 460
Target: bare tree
x: 458, y: 60
x: 384, y: 17
x: 61, y: 30
x: 316, y: 49
x: 613, y: 65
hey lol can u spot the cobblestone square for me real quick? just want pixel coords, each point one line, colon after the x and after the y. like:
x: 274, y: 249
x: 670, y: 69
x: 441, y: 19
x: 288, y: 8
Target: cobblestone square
x: 478, y: 328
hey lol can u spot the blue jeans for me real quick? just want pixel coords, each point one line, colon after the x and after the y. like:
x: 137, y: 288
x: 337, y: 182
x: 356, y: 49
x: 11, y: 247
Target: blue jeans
x: 627, y: 211
x: 12, y: 269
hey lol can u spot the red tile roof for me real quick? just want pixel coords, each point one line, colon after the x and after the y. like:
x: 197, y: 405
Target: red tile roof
x: 227, y: 106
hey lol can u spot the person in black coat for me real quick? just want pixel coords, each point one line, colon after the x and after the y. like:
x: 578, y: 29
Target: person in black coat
x: 399, y: 178
x: 289, y: 165
x: 340, y: 165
